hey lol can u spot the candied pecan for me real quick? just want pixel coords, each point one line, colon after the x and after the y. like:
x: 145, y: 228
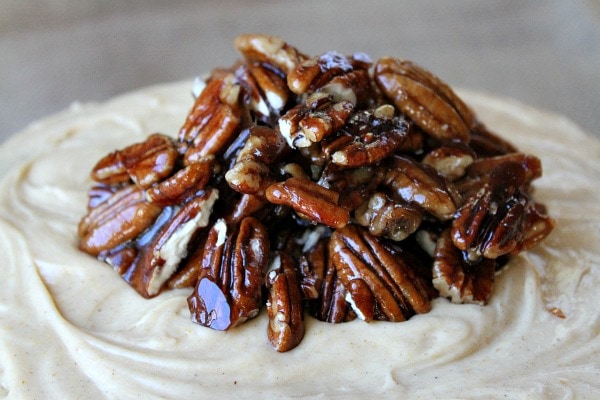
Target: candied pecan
x: 537, y: 226
x: 120, y: 257
x: 265, y: 90
x: 310, y: 200
x: 214, y: 119
x: 229, y: 286
x: 421, y: 184
x: 427, y: 101
x: 120, y: 218
x: 354, y: 184
x: 493, y: 220
x: 159, y: 258
x: 379, y: 284
x: 270, y: 50
x: 530, y: 167
x: 322, y: 287
x: 451, y: 160
x: 386, y: 217
x: 314, y: 119
x: 251, y: 173
x: 185, y: 183
x: 458, y: 277
x: 245, y: 206
x: 377, y: 133
x: 345, y: 78
x: 284, y: 304
x: 144, y: 163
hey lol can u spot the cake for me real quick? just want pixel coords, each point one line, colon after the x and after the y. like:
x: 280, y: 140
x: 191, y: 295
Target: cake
x: 71, y: 327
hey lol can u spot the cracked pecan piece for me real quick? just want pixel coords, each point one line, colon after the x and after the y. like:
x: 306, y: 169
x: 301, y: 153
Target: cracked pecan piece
x: 284, y: 304
x: 229, y: 287
x: 379, y: 284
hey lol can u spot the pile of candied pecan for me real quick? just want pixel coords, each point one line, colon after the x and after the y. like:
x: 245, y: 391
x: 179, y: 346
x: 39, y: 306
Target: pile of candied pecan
x: 332, y: 186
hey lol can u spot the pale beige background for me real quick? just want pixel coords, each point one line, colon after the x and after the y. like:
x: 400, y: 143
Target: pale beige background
x: 545, y: 53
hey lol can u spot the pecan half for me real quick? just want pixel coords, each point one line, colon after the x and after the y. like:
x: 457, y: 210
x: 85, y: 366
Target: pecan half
x: 144, y: 163
x: 493, y: 220
x: 314, y: 119
x: 234, y: 261
x: 450, y: 160
x: 251, y: 174
x: 284, y: 304
x: 345, y: 78
x: 379, y: 284
x: 376, y: 134
x: 214, y: 119
x: 384, y: 217
x: 428, y: 101
x: 457, y: 277
x: 264, y: 89
x: 160, y: 257
x: 420, y: 184
x: 182, y: 185
x: 270, y: 50
x: 120, y: 218
x: 353, y: 184
x: 310, y: 200
x: 322, y: 287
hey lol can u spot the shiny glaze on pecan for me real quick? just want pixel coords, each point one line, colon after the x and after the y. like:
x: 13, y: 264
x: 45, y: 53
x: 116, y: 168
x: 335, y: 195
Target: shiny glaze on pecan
x: 369, y: 188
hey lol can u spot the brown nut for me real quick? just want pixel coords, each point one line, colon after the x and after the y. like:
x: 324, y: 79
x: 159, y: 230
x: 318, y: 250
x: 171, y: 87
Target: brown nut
x: 251, y: 174
x: 321, y: 287
x: 450, y: 160
x: 492, y: 220
x: 384, y: 217
x: 376, y: 134
x: 167, y: 245
x: 144, y: 163
x: 284, y: 304
x: 311, y: 200
x: 459, y: 279
x: 379, y: 284
x: 270, y: 50
x: 229, y: 288
x: 182, y: 185
x: 120, y: 218
x: 420, y: 184
x: 427, y: 101
x: 345, y: 78
x: 214, y: 120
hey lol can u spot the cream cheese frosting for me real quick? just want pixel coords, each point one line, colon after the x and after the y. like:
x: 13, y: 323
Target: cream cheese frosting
x: 70, y: 327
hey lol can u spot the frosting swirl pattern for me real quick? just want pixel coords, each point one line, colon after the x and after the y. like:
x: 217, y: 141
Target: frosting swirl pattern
x: 71, y: 328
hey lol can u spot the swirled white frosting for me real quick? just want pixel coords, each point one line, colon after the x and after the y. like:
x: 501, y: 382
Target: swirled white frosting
x: 70, y: 327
